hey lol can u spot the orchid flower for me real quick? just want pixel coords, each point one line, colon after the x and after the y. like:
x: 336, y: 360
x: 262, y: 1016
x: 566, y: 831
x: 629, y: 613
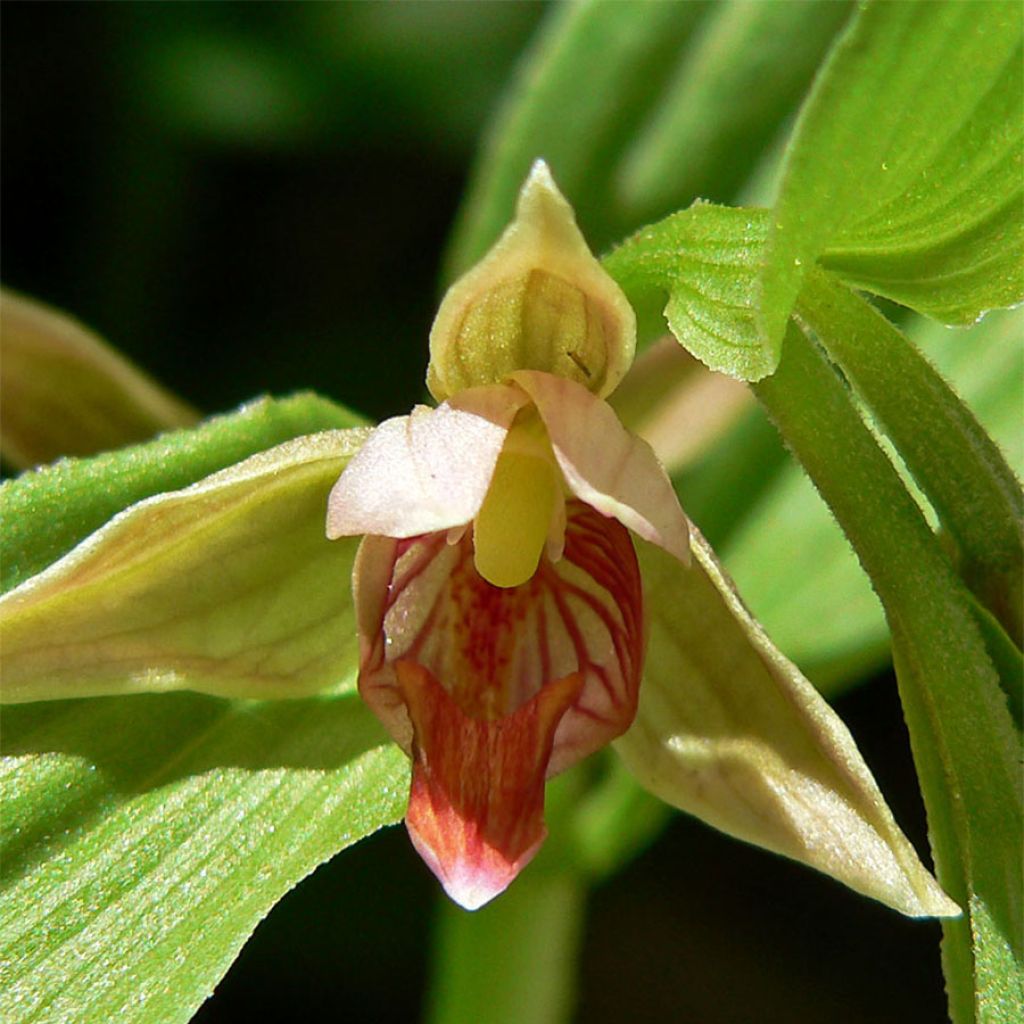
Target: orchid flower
x: 526, y: 592
x: 525, y: 555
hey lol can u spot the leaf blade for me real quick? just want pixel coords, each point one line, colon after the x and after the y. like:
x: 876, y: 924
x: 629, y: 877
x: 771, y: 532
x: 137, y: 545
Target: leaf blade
x: 49, y: 510
x: 859, y: 165
x: 190, y: 834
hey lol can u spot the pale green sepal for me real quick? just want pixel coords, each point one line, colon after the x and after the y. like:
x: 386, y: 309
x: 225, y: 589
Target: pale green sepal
x: 47, y: 511
x: 729, y: 730
x: 539, y: 300
x: 227, y: 587
x: 65, y: 392
x: 144, y: 839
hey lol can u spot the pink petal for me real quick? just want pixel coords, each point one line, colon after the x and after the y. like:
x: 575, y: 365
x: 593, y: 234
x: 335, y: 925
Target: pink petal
x: 476, y: 806
x: 605, y: 465
x: 427, y: 471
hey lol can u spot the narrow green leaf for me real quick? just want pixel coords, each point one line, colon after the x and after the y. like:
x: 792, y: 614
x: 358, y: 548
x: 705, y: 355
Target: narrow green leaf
x: 730, y: 731
x: 46, y: 512
x: 904, y: 172
x: 229, y: 587
x: 144, y: 839
x: 575, y: 102
x: 965, y: 747
x: 800, y: 561
x: 707, y: 259
x: 953, y: 460
x: 65, y: 392
x: 747, y: 66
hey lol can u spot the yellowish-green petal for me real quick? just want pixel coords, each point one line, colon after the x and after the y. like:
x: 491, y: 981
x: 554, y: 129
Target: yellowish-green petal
x: 729, y: 730
x: 227, y: 587
x: 539, y: 300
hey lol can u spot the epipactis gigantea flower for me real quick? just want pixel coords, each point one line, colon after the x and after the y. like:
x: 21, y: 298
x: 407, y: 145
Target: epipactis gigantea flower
x: 498, y: 595
x: 504, y: 614
x: 524, y: 566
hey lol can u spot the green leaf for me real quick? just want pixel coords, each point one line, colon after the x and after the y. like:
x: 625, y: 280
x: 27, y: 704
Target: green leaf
x: 953, y: 460
x: 707, y: 259
x: 746, y: 67
x: 965, y: 746
x: 730, y: 731
x: 178, y: 815
x: 65, y: 392
x: 145, y: 837
x: 228, y: 587
x: 904, y: 172
x: 575, y: 102
x: 48, y: 511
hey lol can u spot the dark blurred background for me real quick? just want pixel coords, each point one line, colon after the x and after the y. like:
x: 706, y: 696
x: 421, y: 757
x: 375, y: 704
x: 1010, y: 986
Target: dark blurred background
x: 254, y: 198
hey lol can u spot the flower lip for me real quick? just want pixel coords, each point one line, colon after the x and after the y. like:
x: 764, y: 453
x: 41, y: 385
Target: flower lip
x: 476, y: 804
x: 490, y: 690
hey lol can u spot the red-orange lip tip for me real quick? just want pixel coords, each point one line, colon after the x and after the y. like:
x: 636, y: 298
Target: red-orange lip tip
x: 474, y: 875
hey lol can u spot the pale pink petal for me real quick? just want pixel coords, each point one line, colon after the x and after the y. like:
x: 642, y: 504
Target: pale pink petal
x: 605, y: 465
x: 427, y: 471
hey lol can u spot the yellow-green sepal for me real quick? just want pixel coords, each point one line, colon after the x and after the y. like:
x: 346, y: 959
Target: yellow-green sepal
x: 729, y: 729
x: 228, y: 587
x: 539, y: 300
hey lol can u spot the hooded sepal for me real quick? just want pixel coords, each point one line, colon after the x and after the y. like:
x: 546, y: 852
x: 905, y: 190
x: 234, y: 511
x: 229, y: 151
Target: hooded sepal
x: 539, y: 300
x: 476, y: 803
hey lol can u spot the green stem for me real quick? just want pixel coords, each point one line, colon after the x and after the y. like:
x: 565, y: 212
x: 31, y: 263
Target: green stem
x: 963, y: 740
x: 514, y: 961
x: 952, y: 458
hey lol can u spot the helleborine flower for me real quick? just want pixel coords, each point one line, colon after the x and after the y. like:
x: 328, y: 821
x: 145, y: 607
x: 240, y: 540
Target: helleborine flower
x: 523, y: 570
x: 502, y: 611
x: 498, y: 595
